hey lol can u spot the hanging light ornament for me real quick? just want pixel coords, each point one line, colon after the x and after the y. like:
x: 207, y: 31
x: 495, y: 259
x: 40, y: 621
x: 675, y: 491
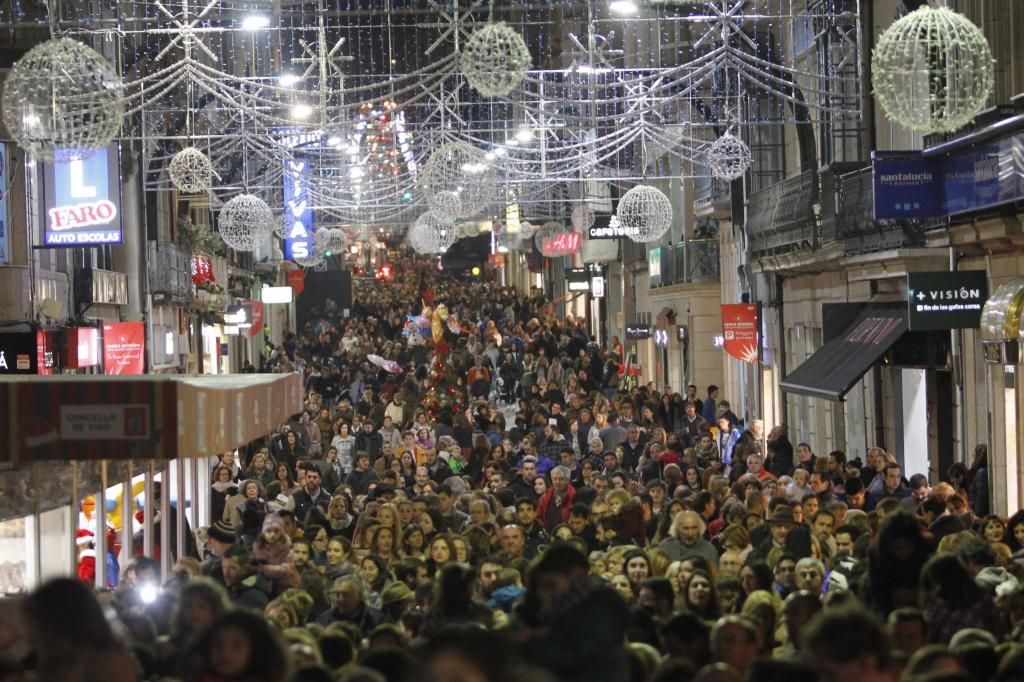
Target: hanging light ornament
x: 313, y: 260
x: 190, y: 171
x: 434, y: 234
x: 445, y: 204
x: 495, y: 59
x: 509, y: 242
x: 63, y: 100
x: 461, y: 169
x: 546, y: 231
x: 728, y: 157
x: 526, y: 230
x: 932, y: 70
x: 645, y: 213
x: 337, y: 241
x: 321, y: 238
x: 583, y: 218
x: 245, y: 222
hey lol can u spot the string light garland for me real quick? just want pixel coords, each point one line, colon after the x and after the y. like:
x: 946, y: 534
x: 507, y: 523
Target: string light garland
x: 191, y: 171
x: 645, y: 213
x: 495, y: 59
x: 932, y: 70
x: 245, y: 222
x: 728, y: 157
x: 63, y: 100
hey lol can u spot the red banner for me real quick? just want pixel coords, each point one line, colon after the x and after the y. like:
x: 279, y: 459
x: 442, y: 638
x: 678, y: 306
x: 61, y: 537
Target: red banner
x: 82, y: 347
x: 257, y: 318
x: 739, y: 330
x: 124, y: 347
x: 297, y: 280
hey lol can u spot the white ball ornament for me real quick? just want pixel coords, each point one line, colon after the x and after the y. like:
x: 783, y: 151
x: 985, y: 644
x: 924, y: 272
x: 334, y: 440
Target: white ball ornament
x: 63, y: 100
x: 495, y: 59
x: 526, y: 230
x: 191, y: 171
x: 729, y: 157
x: 446, y: 204
x: 645, y: 213
x: 545, y: 232
x: 435, y: 234
x: 583, y: 218
x: 463, y: 170
x: 313, y: 260
x: 932, y: 70
x: 245, y: 222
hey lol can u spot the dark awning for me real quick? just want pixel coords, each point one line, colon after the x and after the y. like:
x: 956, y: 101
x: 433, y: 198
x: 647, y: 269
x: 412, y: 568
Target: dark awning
x: 835, y: 367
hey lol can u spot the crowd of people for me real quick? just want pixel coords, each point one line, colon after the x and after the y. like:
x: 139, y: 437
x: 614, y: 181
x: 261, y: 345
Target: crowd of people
x: 490, y: 497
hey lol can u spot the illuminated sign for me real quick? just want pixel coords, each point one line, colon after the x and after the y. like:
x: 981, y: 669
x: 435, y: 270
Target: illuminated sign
x: 276, y: 294
x: 82, y: 201
x: 298, y: 210
x: 564, y: 244
x: 238, y: 316
x: 512, y: 223
x: 597, y: 286
x: 609, y: 227
x: 638, y: 332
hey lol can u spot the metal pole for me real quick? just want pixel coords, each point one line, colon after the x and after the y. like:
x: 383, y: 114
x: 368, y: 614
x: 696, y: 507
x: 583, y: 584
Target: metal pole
x: 127, y: 519
x: 148, y: 512
x: 180, y: 488
x: 165, y: 520
x: 100, y: 517
x: 958, y: 374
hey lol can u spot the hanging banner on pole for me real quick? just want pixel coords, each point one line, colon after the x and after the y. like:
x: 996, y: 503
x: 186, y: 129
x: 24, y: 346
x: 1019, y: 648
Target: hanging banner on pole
x: 298, y: 210
x: 739, y: 331
x: 256, y: 319
x: 124, y: 347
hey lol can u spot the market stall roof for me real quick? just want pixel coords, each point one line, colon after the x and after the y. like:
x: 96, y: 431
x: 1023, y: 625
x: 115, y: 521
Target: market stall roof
x: 75, y: 417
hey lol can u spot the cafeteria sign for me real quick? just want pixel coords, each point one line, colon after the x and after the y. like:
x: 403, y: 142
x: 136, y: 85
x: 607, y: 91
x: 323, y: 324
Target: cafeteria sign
x: 946, y: 300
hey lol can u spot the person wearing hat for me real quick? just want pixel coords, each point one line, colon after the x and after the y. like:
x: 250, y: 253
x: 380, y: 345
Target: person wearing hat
x: 220, y: 537
x: 395, y: 599
x: 779, y: 525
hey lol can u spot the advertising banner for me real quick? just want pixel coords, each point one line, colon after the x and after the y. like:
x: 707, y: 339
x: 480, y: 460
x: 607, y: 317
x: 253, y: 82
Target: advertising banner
x: 607, y: 227
x: 298, y: 210
x: 82, y: 201
x: 946, y: 300
x: 5, y: 237
x: 257, y: 318
x: 18, y: 353
x: 564, y: 244
x: 739, y: 331
x: 124, y: 347
x: 638, y: 332
x: 82, y: 347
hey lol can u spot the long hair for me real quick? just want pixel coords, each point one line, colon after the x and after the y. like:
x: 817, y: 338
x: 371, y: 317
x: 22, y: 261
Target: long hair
x: 65, y: 611
x: 268, y: 659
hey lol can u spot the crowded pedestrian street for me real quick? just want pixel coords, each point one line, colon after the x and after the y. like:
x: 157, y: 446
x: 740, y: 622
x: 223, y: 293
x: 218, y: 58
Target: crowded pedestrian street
x: 511, y: 341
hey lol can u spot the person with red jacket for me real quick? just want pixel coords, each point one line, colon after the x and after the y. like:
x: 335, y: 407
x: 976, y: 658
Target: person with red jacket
x: 555, y: 504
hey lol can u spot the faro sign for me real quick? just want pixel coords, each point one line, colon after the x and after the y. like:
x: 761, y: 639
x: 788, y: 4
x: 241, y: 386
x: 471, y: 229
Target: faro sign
x: 82, y: 201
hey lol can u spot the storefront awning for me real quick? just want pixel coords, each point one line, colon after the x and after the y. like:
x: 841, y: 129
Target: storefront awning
x: 839, y: 364
x: 91, y: 417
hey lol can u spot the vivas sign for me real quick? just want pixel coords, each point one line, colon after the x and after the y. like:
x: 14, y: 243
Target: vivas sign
x: 83, y: 201
x: 946, y: 300
x: 298, y: 210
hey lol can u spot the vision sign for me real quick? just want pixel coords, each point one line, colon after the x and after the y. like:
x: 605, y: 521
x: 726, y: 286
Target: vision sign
x: 82, y: 201
x: 946, y: 300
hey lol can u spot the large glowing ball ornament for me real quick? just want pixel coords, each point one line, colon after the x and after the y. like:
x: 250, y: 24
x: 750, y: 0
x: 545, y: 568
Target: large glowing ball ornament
x: 191, y: 171
x: 463, y: 170
x: 434, y: 234
x: 645, y: 213
x: 446, y: 204
x: 245, y: 222
x: 62, y: 101
x: 729, y: 157
x: 932, y: 70
x: 495, y: 59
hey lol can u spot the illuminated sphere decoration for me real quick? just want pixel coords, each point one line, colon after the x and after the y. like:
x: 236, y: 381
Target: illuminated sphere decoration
x: 321, y: 238
x: 509, y: 242
x: 62, y: 101
x: 582, y: 218
x: 546, y: 231
x: 462, y: 169
x: 932, y: 70
x: 313, y: 260
x: 191, y: 171
x: 526, y: 230
x: 245, y: 222
x: 434, y: 234
x: 337, y: 241
x: 445, y: 204
x: 729, y: 157
x: 495, y: 59
x: 645, y: 213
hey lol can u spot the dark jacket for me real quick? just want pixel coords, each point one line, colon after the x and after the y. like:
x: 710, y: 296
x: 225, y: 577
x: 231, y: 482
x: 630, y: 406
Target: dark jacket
x: 365, y: 617
x: 304, y: 502
x: 251, y: 593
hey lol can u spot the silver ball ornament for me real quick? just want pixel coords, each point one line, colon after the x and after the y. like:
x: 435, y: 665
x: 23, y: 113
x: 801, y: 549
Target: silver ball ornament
x: 495, y: 59
x: 190, y: 170
x: 729, y: 157
x: 245, y: 222
x: 645, y: 213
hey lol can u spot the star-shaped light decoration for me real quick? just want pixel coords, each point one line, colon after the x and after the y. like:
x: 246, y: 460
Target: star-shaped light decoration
x: 320, y: 59
x: 596, y: 55
x: 641, y: 100
x: 454, y: 23
x: 185, y: 30
x: 726, y: 19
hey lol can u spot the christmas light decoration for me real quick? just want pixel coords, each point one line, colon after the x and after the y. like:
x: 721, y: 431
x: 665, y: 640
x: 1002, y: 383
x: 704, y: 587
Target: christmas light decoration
x: 645, y: 213
x: 245, y: 222
x: 62, y: 100
x: 445, y: 204
x: 932, y: 70
x: 462, y: 169
x: 546, y: 231
x: 728, y: 157
x: 190, y: 171
x: 433, y: 234
x: 495, y: 59
x: 583, y: 218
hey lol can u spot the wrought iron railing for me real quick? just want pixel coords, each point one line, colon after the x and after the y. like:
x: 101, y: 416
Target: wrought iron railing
x: 782, y: 218
x: 692, y: 261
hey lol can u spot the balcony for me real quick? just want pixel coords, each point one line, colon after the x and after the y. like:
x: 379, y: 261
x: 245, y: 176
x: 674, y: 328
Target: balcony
x: 170, y: 272
x: 782, y: 218
x: 854, y: 220
x: 691, y: 262
x: 712, y: 197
